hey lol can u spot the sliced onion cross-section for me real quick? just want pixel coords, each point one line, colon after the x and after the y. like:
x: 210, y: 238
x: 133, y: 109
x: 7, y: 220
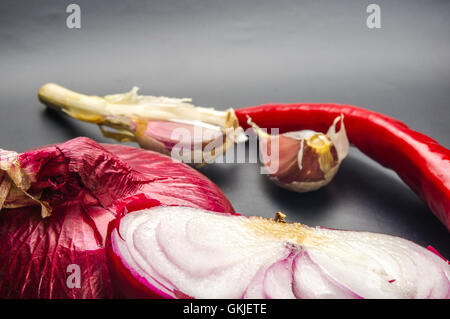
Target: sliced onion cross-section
x: 182, y: 252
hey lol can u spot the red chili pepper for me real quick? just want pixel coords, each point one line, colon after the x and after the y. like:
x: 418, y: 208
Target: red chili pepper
x: 420, y: 161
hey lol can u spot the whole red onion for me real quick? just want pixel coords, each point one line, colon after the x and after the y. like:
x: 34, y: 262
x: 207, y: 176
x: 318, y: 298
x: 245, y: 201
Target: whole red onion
x: 57, y: 201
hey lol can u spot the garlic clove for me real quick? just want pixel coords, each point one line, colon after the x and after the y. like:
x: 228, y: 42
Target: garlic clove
x: 304, y: 160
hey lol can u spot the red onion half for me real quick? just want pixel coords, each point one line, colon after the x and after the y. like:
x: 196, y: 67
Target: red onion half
x: 57, y: 201
x: 183, y: 252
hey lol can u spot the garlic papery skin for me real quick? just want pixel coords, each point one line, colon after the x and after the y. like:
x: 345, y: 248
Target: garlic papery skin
x: 305, y: 160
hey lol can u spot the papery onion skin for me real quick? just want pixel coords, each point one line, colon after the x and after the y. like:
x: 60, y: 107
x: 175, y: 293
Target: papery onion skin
x: 85, y: 183
x: 322, y: 263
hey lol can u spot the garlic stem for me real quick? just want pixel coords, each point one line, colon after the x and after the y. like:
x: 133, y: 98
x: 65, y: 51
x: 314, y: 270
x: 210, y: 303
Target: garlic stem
x: 112, y: 110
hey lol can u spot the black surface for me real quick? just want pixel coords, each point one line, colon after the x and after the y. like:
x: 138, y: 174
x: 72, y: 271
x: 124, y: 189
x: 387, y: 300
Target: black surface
x: 239, y: 53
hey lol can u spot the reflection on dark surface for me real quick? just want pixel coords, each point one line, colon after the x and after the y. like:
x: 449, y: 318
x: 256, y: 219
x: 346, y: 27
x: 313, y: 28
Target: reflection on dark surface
x: 59, y: 122
x: 69, y: 128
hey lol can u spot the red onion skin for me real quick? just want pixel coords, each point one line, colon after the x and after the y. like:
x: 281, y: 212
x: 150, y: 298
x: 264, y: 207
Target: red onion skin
x: 25, y: 274
x: 432, y: 249
x: 85, y: 184
x: 125, y: 285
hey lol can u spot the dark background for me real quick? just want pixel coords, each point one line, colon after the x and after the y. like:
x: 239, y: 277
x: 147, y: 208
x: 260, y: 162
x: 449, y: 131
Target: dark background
x: 239, y: 53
